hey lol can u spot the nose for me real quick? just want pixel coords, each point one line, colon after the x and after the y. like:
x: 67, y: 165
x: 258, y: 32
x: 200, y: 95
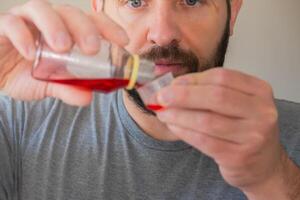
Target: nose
x: 163, y: 29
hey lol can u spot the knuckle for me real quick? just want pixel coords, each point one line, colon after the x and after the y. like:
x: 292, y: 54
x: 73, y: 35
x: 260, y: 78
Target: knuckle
x: 30, y: 8
x: 220, y: 76
x: 257, y: 140
x: 249, y: 153
x: 242, y: 161
x: 270, y: 122
x: 269, y: 117
x: 242, y: 158
x: 266, y: 89
x: 10, y: 19
x: 267, y: 86
x: 272, y: 115
x: 68, y: 8
x: 237, y: 160
x: 33, y: 3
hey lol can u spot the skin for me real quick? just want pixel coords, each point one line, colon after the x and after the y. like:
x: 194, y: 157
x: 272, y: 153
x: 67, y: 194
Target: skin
x: 160, y: 25
x: 238, y: 113
x: 228, y: 115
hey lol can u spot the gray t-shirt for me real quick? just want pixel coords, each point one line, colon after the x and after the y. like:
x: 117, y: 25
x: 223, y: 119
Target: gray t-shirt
x: 49, y: 150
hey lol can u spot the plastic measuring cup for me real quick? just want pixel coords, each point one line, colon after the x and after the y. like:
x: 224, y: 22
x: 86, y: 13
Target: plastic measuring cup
x: 148, y: 92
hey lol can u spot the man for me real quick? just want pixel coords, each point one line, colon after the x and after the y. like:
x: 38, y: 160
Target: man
x: 220, y: 136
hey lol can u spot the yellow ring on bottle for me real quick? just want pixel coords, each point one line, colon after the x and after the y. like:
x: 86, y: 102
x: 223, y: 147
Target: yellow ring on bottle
x: 134, y: 74
x: 128, y: 68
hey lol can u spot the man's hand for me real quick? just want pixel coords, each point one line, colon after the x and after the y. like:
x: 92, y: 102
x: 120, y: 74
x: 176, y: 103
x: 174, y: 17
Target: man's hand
x: 231, y: 117
x: 62, y: 26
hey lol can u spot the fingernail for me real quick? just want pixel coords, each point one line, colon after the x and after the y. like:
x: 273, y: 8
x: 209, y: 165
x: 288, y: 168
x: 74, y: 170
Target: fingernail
x: 165, y: 97
x: 93, y: 42
x: 62, y: 40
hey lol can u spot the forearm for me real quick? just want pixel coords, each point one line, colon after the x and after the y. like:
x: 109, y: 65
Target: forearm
x: 283, y: 186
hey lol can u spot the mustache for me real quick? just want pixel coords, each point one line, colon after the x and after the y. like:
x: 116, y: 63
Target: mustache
x: 173, y: 53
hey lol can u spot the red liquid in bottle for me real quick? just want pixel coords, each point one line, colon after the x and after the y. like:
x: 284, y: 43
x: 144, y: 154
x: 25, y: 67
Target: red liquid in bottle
x: 154, y: 107
x: 103, y: 85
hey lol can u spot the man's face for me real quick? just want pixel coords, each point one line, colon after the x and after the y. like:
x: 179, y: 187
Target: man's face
x: 181, y: 36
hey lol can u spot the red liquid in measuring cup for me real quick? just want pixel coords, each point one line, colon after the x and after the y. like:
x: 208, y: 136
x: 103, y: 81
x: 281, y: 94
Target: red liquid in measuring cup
x: 103, y: 85
x: 154, y: 107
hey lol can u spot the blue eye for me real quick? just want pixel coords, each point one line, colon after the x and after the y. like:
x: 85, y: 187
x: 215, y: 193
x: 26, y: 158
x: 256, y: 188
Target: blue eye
x: 135, y: 3
x: 192, y: 2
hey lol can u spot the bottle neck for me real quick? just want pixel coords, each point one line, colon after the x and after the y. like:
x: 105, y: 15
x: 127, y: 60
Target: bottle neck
x: 139, y: 71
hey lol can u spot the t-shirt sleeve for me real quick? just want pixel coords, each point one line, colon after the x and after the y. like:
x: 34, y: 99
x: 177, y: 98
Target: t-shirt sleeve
x: 8, y: 151
x: 18, y: 120
x: 289, y: 124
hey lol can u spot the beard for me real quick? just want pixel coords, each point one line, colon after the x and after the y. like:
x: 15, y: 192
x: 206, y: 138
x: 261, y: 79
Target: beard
x: 190, y: 61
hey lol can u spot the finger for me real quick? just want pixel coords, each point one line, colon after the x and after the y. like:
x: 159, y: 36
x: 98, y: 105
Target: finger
x: 229, y: 78
x: 48, y: 22
x: 212, y: 124
x: 15, y: 29
x: 69, y: 94
x: 3, y: 39
x: 109, y: 29
x: 213, y: 98
x: 81, y: 28
x: 213, y: 147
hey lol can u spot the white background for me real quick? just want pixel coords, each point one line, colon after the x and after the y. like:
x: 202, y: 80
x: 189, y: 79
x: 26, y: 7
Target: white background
x: 266, y: 42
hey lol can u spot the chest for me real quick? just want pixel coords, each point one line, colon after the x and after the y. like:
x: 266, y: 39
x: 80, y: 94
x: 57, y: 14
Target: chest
x: 114, y: 166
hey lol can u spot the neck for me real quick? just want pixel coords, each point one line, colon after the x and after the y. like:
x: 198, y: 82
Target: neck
x: 148, y: 123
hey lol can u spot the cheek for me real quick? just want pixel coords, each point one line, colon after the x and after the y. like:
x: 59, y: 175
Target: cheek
x: 203, y: 36
x: 199, y: 33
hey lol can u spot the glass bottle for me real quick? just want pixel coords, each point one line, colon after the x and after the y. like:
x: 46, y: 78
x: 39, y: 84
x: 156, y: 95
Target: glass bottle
x: 110, y: 69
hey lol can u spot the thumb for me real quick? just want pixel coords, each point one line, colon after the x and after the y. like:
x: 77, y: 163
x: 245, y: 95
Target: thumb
x: 71, y: 95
